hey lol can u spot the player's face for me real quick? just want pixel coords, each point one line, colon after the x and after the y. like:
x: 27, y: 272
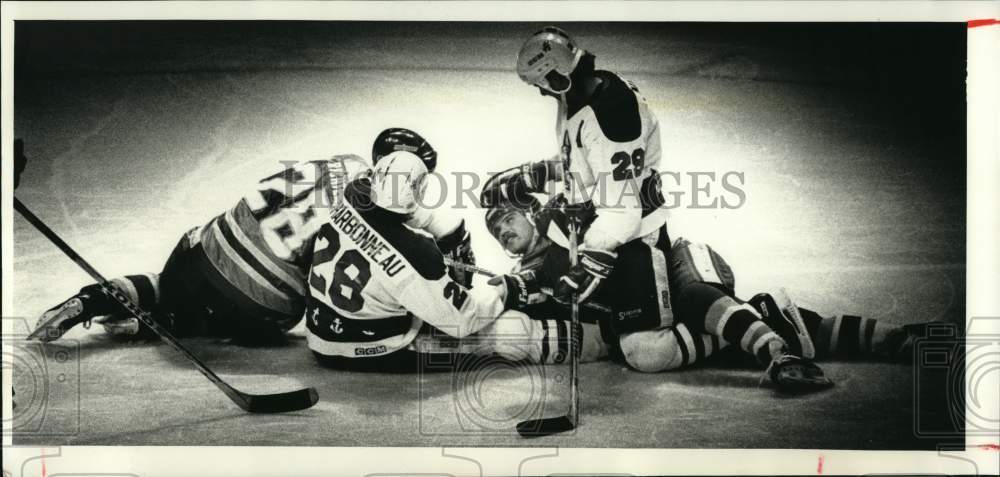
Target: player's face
x: 514, y: 232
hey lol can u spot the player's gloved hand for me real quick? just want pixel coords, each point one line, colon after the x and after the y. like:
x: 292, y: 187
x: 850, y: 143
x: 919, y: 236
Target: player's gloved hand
x: 536, y: 174
x: 520, y: 289
x: 514, y: 185
x: 457, y: 246
x: 584, y: 278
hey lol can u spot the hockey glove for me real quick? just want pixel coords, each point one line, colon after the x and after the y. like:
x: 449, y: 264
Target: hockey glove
x: 457, y: 246
x: 584, y: 278
x: 536, y: 174
x: 520, y: 289
x: 516, y: 184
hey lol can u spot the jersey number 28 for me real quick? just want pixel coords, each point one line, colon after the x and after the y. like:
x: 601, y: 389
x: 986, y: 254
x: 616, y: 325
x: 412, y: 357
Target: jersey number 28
x: 628, y: 166
x: 350, y: 274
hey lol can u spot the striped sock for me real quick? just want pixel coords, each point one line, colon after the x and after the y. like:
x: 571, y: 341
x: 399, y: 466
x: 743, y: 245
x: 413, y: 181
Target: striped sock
x: 144, y: 289
x: 740, y: 324
x: 141, y: 289
x: 844, y: 336
x: 695, y: 348
x: 708, y: 309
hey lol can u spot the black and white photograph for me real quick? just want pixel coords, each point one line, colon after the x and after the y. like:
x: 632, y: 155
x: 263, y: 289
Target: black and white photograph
x: 361, y: 233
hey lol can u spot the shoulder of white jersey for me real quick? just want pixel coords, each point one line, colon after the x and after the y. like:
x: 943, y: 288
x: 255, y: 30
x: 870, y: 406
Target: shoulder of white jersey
x: 418, y: 249
x: 616, y: 108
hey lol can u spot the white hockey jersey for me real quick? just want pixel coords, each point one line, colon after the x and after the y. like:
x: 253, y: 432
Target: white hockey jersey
x: 374, y: 282
x: 611, y: 146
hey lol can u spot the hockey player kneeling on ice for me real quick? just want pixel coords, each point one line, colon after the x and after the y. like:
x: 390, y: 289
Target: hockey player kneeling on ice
x: 244, y: 273
x: 376, y: 282
x: 696, y: 322
x: 610, y: 152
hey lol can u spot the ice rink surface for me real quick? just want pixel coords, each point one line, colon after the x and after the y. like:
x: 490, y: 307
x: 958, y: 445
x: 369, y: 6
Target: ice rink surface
x: 854, y: 201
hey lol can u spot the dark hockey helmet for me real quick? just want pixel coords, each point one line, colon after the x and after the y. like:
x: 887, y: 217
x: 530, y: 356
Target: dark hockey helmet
x: 402, y: 139
x: 528, y: 206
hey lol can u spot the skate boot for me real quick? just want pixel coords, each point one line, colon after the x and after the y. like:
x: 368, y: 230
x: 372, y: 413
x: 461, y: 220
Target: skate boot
x: 782, y: 316
x: 795, y: 374
x: 898, y: 345
x: 81, y: 308
x: 91, y: 304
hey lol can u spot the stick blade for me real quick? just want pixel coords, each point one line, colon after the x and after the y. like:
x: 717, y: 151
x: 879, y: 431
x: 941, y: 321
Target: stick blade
x: 545, y: 426
x: 283, y: 402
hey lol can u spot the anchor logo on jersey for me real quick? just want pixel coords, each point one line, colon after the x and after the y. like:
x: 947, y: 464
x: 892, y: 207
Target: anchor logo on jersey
x: 335, y: 327
x: 315, y: 317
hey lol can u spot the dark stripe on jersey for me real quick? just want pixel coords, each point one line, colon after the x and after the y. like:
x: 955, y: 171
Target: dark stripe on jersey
x: 419, y: 250
x: 143, y: 288
x: 335, y: 327
x: 545, y: 342
x: 616, y: 108
x: 562, y: 341
x: 685, y: 355
x: 234, y: 294
x: 252, y: 261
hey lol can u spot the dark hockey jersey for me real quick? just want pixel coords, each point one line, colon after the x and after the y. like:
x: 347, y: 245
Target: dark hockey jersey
x: 260, y: 248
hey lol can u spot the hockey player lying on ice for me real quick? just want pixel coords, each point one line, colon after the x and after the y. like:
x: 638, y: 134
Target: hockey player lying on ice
x: 672, y: 303
x: 628, y: 325
x: 330, y: 240
x: 609, y: 140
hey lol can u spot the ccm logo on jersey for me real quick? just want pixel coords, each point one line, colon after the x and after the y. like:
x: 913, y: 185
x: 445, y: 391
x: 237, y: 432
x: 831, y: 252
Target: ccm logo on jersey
x: 370, y: 350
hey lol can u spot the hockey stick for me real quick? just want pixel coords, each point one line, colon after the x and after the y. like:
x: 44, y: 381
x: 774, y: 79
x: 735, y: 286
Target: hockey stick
x: 486, y: 273
x: 552, y: 425
x: 257, y: 403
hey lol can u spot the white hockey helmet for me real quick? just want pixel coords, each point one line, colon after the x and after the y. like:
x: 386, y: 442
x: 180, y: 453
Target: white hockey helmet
x: 399, y: 182
x: 547, y: 58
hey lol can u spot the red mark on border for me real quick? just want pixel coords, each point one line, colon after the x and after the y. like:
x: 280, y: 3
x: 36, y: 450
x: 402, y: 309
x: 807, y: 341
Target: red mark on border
x: 990, y: 447
x: 819, y: 467
x: 984, y: 22
x: 43, y: 464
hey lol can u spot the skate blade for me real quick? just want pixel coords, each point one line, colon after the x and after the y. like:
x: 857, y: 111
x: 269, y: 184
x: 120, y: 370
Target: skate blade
x: 45, y: 331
